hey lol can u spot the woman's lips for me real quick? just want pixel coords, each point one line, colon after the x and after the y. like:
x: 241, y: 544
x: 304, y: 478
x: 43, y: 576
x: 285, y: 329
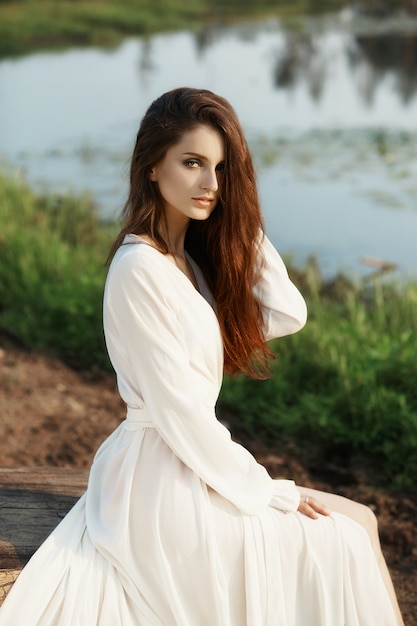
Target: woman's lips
x: 204, y: 201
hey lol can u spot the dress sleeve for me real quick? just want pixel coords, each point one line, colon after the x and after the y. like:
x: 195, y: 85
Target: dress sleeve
x: 155, y: 352
x: 284, y: 308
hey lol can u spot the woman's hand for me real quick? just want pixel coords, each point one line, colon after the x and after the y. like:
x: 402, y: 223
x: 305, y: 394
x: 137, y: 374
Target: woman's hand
x: 311, y: 507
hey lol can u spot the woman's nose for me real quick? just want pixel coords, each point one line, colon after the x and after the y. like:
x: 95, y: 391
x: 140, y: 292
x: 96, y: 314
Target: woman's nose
x: 210, y: 180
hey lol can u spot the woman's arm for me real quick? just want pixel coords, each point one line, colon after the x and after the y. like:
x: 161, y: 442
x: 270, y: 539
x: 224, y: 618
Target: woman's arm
x: 284, y: 308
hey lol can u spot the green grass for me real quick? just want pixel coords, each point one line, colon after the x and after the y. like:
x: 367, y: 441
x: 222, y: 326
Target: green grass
x: 45, y: 24
x: 27, y: 25
x: 344, y: 389
x: 52, y: 253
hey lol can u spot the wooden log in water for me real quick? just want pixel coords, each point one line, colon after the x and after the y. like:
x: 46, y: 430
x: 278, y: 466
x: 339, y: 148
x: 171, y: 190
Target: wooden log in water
x: 378, y: 264
x: 32, y: 502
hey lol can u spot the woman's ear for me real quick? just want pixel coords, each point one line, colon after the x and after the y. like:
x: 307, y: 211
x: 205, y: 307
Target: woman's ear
x: 152, y: 175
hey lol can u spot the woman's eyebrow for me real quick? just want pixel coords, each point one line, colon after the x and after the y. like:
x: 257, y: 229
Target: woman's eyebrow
x: 200, y: 156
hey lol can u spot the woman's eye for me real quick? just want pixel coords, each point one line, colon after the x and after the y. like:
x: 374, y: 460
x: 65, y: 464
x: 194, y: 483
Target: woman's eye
x: 192, y: 163
x: 220, y: 168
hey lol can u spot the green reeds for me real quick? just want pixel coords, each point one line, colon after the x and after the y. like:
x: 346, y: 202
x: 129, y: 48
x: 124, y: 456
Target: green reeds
x: 344, y: 388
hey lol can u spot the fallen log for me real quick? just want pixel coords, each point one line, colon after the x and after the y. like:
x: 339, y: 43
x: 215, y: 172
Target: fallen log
x: 32, y: 502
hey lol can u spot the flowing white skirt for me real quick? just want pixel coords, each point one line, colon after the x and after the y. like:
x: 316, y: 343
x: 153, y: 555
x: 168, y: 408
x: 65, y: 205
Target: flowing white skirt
x: 149, y: 544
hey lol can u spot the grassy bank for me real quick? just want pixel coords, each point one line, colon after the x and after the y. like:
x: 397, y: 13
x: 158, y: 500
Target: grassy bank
x: 52, y: 253
x: 44, y: 24
x: 344, y: 391
x: 344, y: 387
x: 27, y: 25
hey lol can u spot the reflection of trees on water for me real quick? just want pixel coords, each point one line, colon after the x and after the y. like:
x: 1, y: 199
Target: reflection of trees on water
x: 303, y: 59
x: 204, y: 39
x: 388, y: 53
x: 145, y: 63
x: 306, y: 58
x: 311, y: 58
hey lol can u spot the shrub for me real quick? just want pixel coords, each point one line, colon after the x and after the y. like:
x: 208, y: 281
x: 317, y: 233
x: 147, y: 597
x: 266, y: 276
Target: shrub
x: 52, y: 254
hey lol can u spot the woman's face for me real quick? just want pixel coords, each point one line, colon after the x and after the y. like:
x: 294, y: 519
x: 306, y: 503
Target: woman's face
x: 189, y: 176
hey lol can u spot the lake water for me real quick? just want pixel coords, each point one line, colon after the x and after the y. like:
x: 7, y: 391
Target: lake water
x: 329, y: 109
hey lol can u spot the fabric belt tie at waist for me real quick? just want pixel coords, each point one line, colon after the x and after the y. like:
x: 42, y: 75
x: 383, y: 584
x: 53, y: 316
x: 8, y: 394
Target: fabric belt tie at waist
x: 137, y: 418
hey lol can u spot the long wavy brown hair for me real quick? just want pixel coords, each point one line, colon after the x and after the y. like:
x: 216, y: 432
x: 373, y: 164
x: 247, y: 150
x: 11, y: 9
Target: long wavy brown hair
x: 226, y: 245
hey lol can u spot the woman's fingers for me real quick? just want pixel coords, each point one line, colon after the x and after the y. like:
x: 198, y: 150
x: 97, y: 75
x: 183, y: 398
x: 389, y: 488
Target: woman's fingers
x: 311, y: 507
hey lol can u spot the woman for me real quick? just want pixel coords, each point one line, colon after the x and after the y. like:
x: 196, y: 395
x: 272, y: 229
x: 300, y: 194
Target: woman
x: 179, y: 524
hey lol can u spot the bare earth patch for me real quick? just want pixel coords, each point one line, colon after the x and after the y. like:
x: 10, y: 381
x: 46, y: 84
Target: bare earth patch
x: 52, y: 415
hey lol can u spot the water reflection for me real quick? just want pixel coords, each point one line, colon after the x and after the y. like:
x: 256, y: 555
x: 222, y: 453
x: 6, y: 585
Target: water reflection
x: 373, y: 58
x: 387, y: 54
x: 302, y: 59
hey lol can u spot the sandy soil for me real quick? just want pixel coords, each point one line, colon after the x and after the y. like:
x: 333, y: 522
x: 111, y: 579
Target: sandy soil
x: 51, y: 415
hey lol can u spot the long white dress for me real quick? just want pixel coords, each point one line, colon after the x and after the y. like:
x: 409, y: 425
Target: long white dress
x: 179, y: 525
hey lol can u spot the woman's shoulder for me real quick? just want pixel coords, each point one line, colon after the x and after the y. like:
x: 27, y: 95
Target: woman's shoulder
x: 136, y: 259
x: 136, y: 251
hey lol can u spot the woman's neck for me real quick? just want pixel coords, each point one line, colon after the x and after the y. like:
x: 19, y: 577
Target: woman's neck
x: 174, y: 234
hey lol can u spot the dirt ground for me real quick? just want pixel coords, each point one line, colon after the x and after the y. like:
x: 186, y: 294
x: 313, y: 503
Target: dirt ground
x: 52, y: 415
